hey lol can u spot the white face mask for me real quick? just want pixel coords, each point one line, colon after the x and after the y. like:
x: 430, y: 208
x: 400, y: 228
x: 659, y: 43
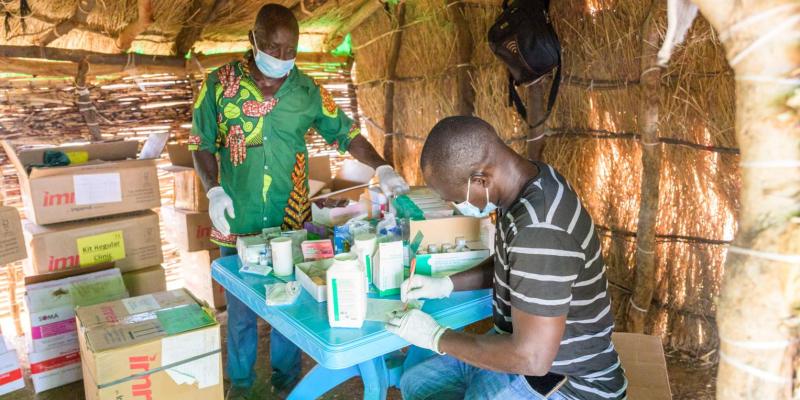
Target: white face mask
x: 270, y: 66
x: 466, y: 208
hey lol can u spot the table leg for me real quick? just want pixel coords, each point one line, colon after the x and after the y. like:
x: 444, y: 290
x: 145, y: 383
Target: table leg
x: 319, y: 381
x: 375, y: 376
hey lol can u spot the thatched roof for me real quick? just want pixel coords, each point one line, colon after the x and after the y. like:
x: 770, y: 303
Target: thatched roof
x: 223, y: 24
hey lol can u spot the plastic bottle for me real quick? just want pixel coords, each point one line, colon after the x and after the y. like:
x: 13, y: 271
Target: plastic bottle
x: 347, y: 293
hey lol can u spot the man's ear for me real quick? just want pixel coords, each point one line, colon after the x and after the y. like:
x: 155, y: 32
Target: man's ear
x: 250, y: 36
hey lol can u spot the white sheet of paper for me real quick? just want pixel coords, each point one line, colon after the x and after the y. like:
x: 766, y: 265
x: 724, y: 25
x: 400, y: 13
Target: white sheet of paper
x: 380, y: 309
x: 97, y: 188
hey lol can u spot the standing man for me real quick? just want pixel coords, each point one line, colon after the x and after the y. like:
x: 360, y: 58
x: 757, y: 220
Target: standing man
x: 552, y: 314
x: 248, y: 128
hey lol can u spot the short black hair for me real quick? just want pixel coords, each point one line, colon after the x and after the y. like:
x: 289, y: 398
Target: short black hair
x: 457, y: 146
x: 274, y: 15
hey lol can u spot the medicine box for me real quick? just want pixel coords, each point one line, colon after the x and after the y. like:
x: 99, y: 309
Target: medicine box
x: 311, y: 276
x: 388, y: 269
x: 444, y: 264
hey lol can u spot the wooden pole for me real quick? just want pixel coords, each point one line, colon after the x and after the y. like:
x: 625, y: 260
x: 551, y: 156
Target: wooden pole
x: 757, y: 309
x: 84, y: 102
x: 82, y: 11
x: 650, y: 78
x: 364, y: 11
x: 202, y: 10
x: 391, y: 75
x: 135, y: 28
x: 536, y: 109
x: 464, y: 68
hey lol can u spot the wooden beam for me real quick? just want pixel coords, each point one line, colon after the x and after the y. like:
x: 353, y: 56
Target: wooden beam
x: 304, y: 9
x: 645, y: 272
x: 193, y: 64
x: 78, y: 17
x: 536, y: 109
x: 57, y: 54
x: 200, y: 14
x: 362, y: 13
x: 135, y: 28
x: 464, y: 68
x: 84, y: 102
x: 391, y: 75
x: 757, y: 310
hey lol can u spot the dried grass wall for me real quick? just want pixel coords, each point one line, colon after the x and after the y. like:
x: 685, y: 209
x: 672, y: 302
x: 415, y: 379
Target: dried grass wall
x: 592, y: 137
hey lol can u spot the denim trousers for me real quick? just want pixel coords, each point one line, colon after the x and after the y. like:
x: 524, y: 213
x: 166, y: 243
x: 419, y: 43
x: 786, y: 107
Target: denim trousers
x: 284, y: 356
x: 445, y: 377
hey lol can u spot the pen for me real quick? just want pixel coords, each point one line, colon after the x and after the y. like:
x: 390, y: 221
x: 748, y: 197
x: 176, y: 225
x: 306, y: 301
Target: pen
x: 411, y: 275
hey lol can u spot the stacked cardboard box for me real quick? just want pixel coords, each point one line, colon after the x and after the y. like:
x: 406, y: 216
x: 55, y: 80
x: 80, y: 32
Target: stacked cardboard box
x: 93, y: 212
x: 145, y: 281
x: 52, y: 336
x: 196, y: 274
x: 127, y: 345
x: 10, y: 372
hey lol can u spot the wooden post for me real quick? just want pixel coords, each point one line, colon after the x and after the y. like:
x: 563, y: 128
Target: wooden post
x: 650, y: 79
x: 202, y: 10
x: 84, y: 102
x: 536, y: 109
x: 391, y: 76
x: 82, y: 11
x: 757, y: 314
x: 132, y: 30
x: 464, y: 68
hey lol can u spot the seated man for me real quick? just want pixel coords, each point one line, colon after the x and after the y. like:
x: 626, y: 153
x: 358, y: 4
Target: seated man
x: 551, y: 311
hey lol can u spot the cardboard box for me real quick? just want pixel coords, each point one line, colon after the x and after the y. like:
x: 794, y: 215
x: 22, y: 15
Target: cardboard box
x: 131, y: 241
x: 12, y: 244
x: 196, y: 273
x: 311, y: 276
x: 51, y: 369
x: 188, y: 191
x: 445, y: 230
x: 145, y: 281
x: 445, y: 264
x: 188, y: 230
x: 111, y: 182
x: 51, y: 306
x: 10, y: 372
x: 642, y: 356
x: 126, y: 344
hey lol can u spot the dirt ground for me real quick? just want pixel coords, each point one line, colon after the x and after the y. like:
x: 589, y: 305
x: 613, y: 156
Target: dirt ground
x: 688, y: 380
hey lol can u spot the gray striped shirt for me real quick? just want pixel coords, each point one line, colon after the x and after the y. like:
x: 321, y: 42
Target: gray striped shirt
x: 548, y: 263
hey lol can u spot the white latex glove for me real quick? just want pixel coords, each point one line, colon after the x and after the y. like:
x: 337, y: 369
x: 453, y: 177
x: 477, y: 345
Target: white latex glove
x: 425, y: 287
x: 417, y: 328
x: 391, y: 183
x: 218, y: 203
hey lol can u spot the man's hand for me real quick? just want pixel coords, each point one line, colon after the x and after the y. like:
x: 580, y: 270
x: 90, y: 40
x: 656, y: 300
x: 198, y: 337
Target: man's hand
x: 391, y: 183
x: 417, y: 328
x: 218, y: 203
x: 425, y: 287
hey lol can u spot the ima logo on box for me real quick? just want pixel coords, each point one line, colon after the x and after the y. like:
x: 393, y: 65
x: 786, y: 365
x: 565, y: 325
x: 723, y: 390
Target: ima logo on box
x: 63, y: 263
x: 58, y: 199
x: 141, y: 387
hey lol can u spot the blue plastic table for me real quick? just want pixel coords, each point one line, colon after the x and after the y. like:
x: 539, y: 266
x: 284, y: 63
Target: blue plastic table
x: 342, y: 353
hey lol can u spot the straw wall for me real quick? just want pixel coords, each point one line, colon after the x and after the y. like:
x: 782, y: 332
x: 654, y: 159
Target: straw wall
x: 592, y: 137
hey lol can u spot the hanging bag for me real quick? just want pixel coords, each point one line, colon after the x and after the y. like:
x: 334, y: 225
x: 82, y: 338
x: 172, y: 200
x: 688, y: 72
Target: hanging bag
x: 524, y: 39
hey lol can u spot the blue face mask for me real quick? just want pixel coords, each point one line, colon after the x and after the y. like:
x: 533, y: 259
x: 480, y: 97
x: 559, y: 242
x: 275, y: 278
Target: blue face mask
x: 270, y: 66
x: 466, y: 208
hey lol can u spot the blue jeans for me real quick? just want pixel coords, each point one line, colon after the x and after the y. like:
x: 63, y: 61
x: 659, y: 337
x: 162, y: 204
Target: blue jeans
x: 284, y: 356
x: 444, y: 377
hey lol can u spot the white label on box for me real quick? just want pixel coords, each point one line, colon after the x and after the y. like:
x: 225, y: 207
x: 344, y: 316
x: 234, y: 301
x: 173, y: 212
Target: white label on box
x: 97, y: 188
x: 205, y: 371
x: 141, y: 304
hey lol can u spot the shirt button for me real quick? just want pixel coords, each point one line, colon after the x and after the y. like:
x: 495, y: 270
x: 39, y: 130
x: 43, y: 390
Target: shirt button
x: 266, y: 168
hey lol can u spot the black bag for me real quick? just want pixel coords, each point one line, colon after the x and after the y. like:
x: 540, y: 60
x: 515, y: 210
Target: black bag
x: 523, y: 38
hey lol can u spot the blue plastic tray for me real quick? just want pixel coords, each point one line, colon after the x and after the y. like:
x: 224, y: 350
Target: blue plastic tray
x: 306, y: 321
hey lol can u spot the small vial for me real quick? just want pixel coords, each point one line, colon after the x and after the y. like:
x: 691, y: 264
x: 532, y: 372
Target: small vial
x: 263, y: 258
x: 447, y: 248
x: 461, y: 244
x: 434, y: 248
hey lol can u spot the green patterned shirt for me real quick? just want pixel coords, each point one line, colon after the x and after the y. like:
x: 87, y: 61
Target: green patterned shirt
x: 261, y: 144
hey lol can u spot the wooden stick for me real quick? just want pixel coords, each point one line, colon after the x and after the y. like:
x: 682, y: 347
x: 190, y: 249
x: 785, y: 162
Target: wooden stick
x: 364, y: 11
x: 464, y: 69
x: 135, y: 28
x: 201, y: 13
x: 651, y: 173
x: 85, y: 105
x: 78, y: 18
x: 391, y: 75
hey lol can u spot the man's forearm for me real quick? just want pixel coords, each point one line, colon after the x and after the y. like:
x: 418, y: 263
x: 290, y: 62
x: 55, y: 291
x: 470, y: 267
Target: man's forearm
x: 494, y: 352
x: 205, y: 165
x: 363, y: 151
x: 477, y: 277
